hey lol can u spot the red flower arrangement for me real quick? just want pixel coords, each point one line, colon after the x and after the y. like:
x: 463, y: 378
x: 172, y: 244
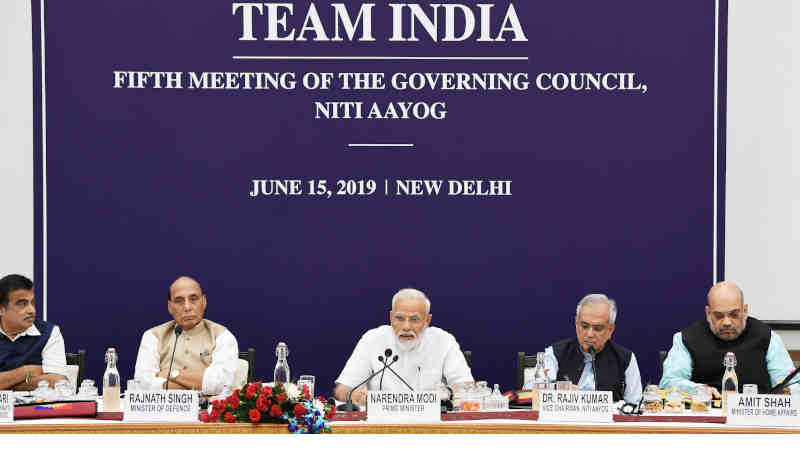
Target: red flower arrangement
x: 282, y: 403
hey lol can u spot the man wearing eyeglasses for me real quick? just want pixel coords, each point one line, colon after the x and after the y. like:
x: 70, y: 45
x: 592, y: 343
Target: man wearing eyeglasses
x: 206, y: 353
x: 591, y: 361
x: 425, y: 354
x: 698, y: 351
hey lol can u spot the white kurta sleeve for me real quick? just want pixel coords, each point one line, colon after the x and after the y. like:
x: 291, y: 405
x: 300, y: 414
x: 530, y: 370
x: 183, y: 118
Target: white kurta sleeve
x: 147, y: 363
x: 54, y: 360
x: 358, y: 367
x: 223, y: 364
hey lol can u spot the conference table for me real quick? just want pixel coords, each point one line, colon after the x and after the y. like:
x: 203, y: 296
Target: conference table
x: 486, y: 426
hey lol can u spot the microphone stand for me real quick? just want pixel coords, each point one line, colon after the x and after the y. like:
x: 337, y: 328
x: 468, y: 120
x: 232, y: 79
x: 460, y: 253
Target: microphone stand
x: 398, y: 376
x: 178, y: 331
x: 594, y: 372
x: 783, y: 384
x: 349, y: 405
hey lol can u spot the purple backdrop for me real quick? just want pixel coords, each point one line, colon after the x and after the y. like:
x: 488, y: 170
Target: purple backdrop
x: 612, y: 192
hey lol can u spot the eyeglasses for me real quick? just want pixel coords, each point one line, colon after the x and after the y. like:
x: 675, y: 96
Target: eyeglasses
x: 413, y: 319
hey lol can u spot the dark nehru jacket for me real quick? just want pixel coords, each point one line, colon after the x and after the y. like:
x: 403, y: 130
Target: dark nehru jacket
x: 609, y: 365
x: 25, y: 349
x: 708, y: 352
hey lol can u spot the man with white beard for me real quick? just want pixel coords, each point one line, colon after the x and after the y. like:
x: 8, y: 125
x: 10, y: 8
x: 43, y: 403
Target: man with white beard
x: 426, y: 354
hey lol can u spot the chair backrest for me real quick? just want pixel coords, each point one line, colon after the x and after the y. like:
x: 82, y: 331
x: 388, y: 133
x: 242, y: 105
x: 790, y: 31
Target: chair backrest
x: 524, y: 362
x: 250, y: 357
x: 468, y: 357
x: 77, y: 359
x: 662, y: 355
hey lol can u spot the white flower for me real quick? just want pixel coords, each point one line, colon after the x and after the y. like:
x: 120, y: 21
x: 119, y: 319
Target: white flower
x: 292, y: 390
x: 319, y: 406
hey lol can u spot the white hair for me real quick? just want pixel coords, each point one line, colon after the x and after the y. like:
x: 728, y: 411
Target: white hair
x: 599, y: 298
x: 411, y: 294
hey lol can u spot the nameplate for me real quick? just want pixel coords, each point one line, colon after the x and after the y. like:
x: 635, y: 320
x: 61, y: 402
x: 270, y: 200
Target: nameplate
x: 6, y: 406
x: 161, y: 406
x: 576, y: 406
x: 403, y: 407
x: 763, y: 410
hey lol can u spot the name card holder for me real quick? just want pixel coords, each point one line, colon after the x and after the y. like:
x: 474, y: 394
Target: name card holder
x: 6, y: 406
x: 161, y: 406
x: 401, y: 407
x: 576, y: 406
x: 763, y: 410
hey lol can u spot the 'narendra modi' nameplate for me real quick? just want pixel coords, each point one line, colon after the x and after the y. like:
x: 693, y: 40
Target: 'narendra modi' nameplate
x: 161, y: 406
x: 576, y: 406
x: 403, y: 407
x: 6, y: 406
x: 766, y: 410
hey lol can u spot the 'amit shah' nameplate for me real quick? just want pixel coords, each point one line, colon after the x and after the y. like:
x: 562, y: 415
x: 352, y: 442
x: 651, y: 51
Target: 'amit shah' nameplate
x: 576, y: 406
x: 6, y: 406
x: 763, y: 410
x: 403, y: 407
x: 161, y: 406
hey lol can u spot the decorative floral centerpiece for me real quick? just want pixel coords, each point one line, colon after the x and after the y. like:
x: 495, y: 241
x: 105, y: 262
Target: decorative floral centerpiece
x: 276, y: 403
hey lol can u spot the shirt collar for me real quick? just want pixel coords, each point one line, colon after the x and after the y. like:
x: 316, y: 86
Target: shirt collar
x: 31, y: 331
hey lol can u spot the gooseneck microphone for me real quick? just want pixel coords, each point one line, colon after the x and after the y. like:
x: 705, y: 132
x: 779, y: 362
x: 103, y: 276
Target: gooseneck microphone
x: 349, y: 405
x: 388, y: 353
x: 398, y: 376
x: 594, y: 372
x: 786, y: 382
x: 178, y: 331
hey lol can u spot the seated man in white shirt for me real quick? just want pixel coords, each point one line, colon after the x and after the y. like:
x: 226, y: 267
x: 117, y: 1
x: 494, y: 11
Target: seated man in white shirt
x: 206, y: 353
x: 31, y: 350
x: 590, y: 360
x: 426, y: 354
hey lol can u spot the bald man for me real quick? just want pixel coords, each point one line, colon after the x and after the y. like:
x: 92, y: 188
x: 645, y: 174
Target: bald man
x: 206, y: 353
x: 697, y: 351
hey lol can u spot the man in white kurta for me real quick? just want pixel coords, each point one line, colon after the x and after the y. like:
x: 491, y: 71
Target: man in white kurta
x: 426, y: 354
x: 206, y: 353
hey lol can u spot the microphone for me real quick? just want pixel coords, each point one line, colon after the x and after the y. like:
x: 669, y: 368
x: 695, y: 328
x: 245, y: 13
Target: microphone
x: 398, y: 376
x: 782, y: 385
x: 178, y: 331
x: 388, y: 353
x: 349, y: 405
x: 594, y: 372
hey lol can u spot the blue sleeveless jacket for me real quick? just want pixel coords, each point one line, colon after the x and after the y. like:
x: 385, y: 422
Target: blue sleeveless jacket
x: 25, y: 349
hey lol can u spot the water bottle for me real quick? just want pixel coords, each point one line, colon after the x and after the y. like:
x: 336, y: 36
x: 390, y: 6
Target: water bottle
x: 111, y: 383
x: 730, y: 382
x: 540, y: 380
x: 282, y: 367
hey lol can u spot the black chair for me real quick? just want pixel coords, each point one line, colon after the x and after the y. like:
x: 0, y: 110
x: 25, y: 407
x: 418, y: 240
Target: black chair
x: 250, y: 357
x: 78, y: 359
x: 662, y: 355
x: 468, y: 357
x: 524, y: 361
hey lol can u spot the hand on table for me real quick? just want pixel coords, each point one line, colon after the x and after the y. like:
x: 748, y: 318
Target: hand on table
x: 360, y: 396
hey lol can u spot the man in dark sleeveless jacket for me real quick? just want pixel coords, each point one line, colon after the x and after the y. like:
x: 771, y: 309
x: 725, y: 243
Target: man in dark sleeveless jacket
x: 698, y: 350
x: 31, y: 350
x: 590, y: 360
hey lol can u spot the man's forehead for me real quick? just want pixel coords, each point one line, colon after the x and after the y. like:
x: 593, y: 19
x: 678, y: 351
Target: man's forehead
x: 20, y: 294
x: 184, y: 287
x: 724, y: 303
x: 409, y: 306
x: 594, y: 313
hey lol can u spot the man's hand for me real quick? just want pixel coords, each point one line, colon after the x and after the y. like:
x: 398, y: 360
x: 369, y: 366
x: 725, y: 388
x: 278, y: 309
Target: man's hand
x: 360, y: 396
x: 51, y: 378
x: 34, y: 371
x: 714, y: 393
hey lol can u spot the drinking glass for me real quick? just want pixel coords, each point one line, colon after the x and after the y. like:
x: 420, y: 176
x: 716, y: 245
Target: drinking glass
x: 306, y: 380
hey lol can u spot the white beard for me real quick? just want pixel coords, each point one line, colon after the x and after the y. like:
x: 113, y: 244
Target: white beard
x: 407, y: 346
